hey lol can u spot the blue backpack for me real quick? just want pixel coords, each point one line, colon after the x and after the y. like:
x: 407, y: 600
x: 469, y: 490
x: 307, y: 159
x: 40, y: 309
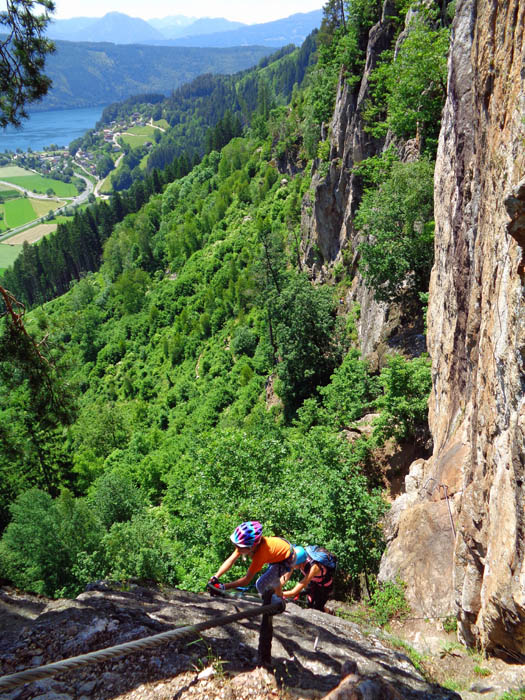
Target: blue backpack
x: 322, y: 556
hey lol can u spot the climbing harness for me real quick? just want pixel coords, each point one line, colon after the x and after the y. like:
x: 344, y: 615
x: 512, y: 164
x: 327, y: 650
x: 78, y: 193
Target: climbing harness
x: 15, y: 680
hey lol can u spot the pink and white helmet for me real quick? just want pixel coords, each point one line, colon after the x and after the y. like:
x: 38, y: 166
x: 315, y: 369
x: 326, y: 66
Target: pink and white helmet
x: 247, y: 534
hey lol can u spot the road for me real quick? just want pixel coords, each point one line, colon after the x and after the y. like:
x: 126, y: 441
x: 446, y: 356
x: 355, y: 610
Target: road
x: 33, y: 195
x: 72, y: 201
x: 101, y: 180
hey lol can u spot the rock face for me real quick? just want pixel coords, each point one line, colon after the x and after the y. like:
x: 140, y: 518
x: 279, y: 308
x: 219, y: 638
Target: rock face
x: 327, y: 227
x: 328, y: 233
x: 311, y: 651
x: 476, y: 336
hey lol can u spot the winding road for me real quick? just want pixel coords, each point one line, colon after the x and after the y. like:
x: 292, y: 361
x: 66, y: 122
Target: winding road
x: 71, y: 201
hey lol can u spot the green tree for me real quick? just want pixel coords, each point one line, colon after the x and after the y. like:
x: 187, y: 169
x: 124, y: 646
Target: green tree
x: 304, y: 330
x: 104, y: 165
x: 409, y: 90
x: 101, y: 429
x: 22, y: 56
x: 140, y: 548
x: 350, y: 391
x: 404, y: 402
x: 44, y: 539
x: 396, y: 221
x: 114, y: 498
x: 130, y: 289
x: 36, y: 405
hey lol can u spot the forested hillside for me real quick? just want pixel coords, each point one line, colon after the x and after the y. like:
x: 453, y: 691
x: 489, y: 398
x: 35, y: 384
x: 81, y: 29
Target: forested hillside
x: 193, y: 375
x: 96, y: 73
x: 204, y: 115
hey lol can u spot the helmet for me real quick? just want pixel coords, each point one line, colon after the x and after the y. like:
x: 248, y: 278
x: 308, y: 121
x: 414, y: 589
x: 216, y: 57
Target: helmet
x: 247, y: 534
x: 300, y: 555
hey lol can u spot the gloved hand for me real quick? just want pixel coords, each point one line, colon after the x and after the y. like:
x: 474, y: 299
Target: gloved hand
x: 214, y: 581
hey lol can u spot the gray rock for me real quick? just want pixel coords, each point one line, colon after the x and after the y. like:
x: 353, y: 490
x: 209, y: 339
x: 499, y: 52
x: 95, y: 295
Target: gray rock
x: 310, y: 649
x: 476, y: 336
x: 478, y: 688
x: 87, y: 688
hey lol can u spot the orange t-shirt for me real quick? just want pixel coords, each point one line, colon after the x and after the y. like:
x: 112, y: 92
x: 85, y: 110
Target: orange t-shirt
x: 270, y: 551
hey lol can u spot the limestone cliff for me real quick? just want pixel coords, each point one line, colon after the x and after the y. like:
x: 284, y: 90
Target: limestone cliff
x: 458, y: 534
x: 328, y: 232
x: 327, y: 222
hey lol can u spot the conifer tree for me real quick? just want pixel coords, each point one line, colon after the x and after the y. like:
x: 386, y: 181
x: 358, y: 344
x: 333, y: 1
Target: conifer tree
x: 22, y: 56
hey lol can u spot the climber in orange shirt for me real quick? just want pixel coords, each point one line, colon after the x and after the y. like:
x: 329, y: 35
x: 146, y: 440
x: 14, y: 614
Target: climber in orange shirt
x: 275, y: 551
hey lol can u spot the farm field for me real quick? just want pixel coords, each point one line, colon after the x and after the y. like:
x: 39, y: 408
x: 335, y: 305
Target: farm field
x: 13, y: 171
x: 43, y: 206
x: 31, y: 235
x: 106, y: 187
x: 138, y: 135
x: 20, y: 211
x: 8, y: 254
x: 61, y: 219
x: 162, y: 123
x: 7, y: 192
x: 36, y: 183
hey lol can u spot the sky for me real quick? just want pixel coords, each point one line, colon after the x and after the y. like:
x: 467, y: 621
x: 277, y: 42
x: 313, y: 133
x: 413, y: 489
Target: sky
x: 245, y: 11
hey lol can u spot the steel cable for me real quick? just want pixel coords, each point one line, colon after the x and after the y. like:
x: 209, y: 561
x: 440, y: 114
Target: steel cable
x: 15, y: 680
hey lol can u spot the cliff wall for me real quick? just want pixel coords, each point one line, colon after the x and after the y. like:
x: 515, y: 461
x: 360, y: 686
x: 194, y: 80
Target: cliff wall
x: 458, y: 534
x: 327, y: 219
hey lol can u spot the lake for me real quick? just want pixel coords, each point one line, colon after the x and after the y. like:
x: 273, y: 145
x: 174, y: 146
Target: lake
x: 60, y: 126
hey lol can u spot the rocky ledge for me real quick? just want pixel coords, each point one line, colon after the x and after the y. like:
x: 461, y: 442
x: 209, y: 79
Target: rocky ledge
x: 313, y: 653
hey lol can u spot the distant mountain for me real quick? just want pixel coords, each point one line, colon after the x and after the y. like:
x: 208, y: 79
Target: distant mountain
x: 65, y: 29
x: 205, y: 25
x: 291, y: 30
x: 211, y: 25
x: 179, y: 30
x: 172, y: 26
x: 114, y: 26
x: 85, y: 74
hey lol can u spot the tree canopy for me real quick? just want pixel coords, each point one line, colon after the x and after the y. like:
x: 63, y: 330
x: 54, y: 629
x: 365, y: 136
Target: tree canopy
x: 23, y: 51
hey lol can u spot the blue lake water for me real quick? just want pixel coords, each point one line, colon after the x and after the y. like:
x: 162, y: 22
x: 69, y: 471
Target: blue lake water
x: 60, y: 126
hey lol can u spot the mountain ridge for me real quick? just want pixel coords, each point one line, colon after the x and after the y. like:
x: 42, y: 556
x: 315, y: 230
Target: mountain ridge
x: 202, y: 32
x: 290, y: 30
x: 99, y: 73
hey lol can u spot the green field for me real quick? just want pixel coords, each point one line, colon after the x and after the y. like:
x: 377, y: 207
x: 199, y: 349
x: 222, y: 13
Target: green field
x: 24, y: 209
x: 138, y: 135
x: 8, y: 254
x: 18, y: 211
x: 106, y: 187
x: 37, y: 183
x: 9, y: 194
x: 60, y: 219
x: 162, y: 123
x: 9, y: 171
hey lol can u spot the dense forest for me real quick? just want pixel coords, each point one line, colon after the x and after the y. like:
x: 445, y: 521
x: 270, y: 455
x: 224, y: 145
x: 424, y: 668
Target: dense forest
x: 181, y: 372
x: 97, y: 73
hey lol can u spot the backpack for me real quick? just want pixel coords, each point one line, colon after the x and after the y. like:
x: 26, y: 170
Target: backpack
x: 322, y: 556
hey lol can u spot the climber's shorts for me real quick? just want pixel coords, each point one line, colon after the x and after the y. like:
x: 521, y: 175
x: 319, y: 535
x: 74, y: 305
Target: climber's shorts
x: 271, y: 579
